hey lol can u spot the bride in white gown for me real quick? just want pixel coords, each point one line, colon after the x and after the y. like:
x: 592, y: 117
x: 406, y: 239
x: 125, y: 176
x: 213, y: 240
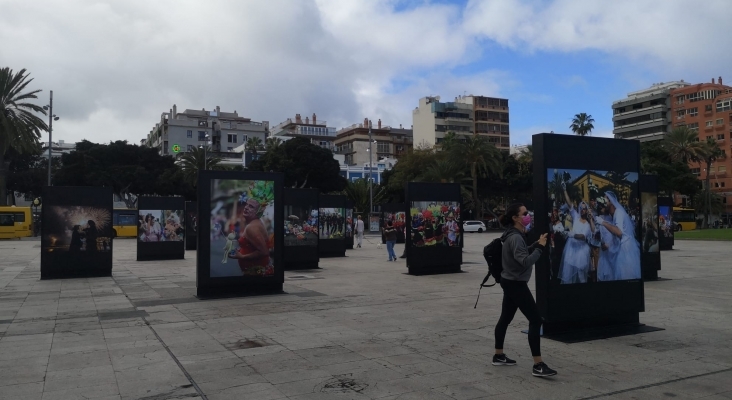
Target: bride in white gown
x: 627, y: 258
x: 575, y: 264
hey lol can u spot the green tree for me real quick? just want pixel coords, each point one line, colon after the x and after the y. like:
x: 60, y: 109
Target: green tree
x: 358, y: 192
x: 674, y: 175
x: 198, y: 160
x: 710, y: 152
x: 481, y: 158
x: 28, y: 172
x: 128, y: 169
x: 449, y: 141
x: 304, y: 164
x: 582, y: 124
x: 254, y: 144
x: 272, y: 143
x: 682, y: 144
x: 20, y: 128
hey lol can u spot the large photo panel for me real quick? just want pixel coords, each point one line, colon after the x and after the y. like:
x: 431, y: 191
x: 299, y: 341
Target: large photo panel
x: 434, y: 223
x: 241, y: 250
x: 301, y: 228
x: 77, y: 232
x: 161, y: 228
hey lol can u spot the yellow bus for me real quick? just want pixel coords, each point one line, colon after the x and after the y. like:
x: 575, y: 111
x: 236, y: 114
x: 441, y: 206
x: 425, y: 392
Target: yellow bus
x: 15, y: 222
x: 684, y: 219
x: 124, y: 222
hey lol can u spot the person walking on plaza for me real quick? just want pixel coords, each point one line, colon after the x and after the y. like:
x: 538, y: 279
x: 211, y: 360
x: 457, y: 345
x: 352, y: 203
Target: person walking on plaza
x: 390, y: 235
x: 359, y: 231
x: 517, y: 261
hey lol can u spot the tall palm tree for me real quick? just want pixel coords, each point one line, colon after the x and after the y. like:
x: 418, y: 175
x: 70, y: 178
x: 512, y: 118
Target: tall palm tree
x: 682, y: 144
x: 443, y: 170
x: 358, y: 192
x: 525, y: 159
x: 20, y: 128
x: 582, y: 124
x: 272, y: 143
x: 198, y: 160
x: 254, y: 144
x: 481, y: 158
x: 710, y: 152
x: 448, y: 141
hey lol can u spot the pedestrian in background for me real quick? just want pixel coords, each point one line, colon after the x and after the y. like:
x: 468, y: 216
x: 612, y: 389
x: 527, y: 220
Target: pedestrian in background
x: 359, y: 231
x: 390, y: 236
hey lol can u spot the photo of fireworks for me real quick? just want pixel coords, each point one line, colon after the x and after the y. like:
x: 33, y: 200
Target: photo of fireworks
x: 78, y: 229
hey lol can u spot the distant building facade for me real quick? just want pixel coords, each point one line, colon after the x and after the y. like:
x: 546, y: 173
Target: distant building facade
x: 645, y: 115
x: 353, y: 142
x: 57, y: 148
x: 178, y: 133
x: 467, y: 115
x: 318, y: 132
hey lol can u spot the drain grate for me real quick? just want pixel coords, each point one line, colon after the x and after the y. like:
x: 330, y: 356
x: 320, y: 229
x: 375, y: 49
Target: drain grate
x: 343, y: 384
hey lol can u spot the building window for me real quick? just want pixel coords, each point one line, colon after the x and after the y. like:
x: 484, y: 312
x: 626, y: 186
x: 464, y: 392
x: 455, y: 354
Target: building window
x: 693, y: 126
x: 201, y: 136
x: 720, y: 121
x: 695, y: 171
x: 720, y: 136
x: 722, y: 168
x: 231, y: 137
x: 383, y: 147
x: 709, y: 137
x: 680, y: 114
x: 244, y: 138
x: 709, y: 123
x: 190, y: 148
x: 202, y: 123
x: 693, y: 111
x: 724, y: 105
x: 189, y: 134
x: 708, y: 108
x: 229, y: 149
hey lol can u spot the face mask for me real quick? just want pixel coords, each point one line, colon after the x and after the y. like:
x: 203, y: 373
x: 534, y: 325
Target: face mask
x: 526, y: 220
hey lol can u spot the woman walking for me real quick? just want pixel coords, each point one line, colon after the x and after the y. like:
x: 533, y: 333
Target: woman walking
x: 517, y: 261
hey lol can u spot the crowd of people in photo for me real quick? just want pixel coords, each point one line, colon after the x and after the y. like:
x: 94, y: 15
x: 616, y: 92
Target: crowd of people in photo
x: 150, y: 229
x: 436, y: 225
x: 593, y: 242
x: 298, y: 230
x: 331, y: 223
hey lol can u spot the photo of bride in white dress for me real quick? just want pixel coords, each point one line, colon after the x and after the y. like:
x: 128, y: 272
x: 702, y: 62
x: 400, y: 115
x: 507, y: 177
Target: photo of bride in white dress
x: 593, y: 227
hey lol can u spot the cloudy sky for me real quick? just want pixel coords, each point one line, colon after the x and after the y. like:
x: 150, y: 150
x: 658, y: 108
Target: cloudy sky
x: 114, y: 66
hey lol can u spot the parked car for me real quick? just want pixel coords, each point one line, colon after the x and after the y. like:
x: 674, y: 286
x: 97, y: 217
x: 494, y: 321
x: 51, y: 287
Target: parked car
x: 473, y: 226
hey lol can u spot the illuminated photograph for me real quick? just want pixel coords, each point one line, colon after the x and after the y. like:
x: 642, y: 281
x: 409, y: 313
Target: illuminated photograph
x: 435, y: 223
x: 301, y: 226
x: 332, y: 223
x: 78, y: 229
x: 592, y: 225
x: 160, y: 226
x: 242, y: 228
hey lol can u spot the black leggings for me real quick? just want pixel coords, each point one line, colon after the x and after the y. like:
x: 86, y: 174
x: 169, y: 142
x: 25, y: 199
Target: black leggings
x: 516, y: 295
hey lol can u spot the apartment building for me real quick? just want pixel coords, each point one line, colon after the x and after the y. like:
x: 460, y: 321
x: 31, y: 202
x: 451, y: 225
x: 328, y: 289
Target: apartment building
x: 706, y: 108
x: 467, y: 115
x: 177, y: 133
x: 318, y: 132
x: 353, y: 142
x: 645, y: 115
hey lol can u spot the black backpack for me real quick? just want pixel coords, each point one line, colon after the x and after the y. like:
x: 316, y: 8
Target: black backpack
x: 493, y: 254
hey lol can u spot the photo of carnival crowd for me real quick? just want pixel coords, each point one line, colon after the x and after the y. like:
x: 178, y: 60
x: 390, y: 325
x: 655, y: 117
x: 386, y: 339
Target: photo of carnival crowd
x: 593, y: 235
x: 301, y: 226
x: 242, y: 228
x: 665, y: 221
x: 77, y: 229
x: 398, y: 222
x: 435, y: 223
x: 332, y: 223
x: 160, y: 226
x: 649, y: 229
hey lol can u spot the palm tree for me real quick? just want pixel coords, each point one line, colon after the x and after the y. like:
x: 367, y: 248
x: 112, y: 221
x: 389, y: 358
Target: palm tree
x: 271, y: 143
x: 682, y: 144
x: 582, y: 124
x: 443, y: 170
x: 448, y: 141
x: 196, y: 160
x: 525, y: 159
x: 20, y: 128
x: 480, y: 157
x: 358, y: 192
x: 710, y: 152
x: 254, y: 144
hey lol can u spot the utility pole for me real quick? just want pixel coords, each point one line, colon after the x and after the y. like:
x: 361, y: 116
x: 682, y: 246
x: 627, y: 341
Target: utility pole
x: 50, y: 133
x: 371, y: 175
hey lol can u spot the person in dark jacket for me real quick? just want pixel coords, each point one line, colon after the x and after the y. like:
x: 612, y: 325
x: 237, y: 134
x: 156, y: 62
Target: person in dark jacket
x: 390, y: 235
x: 517, y: 261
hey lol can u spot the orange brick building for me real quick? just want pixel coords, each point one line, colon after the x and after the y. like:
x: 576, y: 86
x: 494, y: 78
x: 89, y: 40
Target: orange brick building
x: 707, y: 109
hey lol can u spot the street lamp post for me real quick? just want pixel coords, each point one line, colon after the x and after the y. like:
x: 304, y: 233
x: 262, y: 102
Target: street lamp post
x: 51, y: 117
x: 371, y: 175
x: 205, y: 157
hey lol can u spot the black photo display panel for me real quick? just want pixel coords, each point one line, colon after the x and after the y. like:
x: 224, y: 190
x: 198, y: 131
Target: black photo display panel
x: 161, y: 228
x: 77, y: 232
x: 350, y: 231
x: 332, y: 225
x: 650, y: 227
x: 301, y: 228
x: 434, y: 235
x: 590, y: 273
x: 666, y: 223
x: 243, y: 252
x: 191, y: 221
x: 394, y: 213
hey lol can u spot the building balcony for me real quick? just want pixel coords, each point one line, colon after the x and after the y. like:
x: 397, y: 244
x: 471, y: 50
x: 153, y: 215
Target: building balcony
x: 482, y: 107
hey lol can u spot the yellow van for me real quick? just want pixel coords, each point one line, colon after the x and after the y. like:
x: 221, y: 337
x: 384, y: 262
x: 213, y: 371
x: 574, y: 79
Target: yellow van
x: 15, y: 222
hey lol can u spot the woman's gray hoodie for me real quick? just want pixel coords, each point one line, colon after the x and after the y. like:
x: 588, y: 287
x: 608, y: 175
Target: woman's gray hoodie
x: 517, y: 259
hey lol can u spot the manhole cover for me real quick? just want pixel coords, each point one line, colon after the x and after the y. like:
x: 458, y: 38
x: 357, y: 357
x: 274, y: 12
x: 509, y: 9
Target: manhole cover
x: 246, y: 344
x: 343, y: 384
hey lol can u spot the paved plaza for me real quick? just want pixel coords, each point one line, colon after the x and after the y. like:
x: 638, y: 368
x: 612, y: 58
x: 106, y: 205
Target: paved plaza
x: 358, y: 328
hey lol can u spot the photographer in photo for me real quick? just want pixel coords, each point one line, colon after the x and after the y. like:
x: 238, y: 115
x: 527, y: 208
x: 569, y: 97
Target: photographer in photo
x: 517, y: 262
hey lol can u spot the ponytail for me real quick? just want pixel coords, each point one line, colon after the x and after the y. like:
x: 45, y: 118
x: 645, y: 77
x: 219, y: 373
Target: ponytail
x: 506, y: 219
